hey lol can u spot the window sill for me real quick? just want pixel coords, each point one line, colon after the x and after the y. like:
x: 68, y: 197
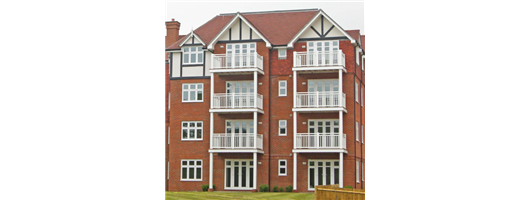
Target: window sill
x: 191, y: 180
x: 187, y: 140
x: 282, y: 175
x: 283, y: 135
x: 192, y: 101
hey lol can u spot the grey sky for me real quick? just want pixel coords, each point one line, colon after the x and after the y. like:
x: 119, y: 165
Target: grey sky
x: 349, y: 15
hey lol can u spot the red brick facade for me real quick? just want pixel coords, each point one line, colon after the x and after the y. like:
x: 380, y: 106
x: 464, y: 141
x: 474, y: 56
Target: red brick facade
x: 275, y: 108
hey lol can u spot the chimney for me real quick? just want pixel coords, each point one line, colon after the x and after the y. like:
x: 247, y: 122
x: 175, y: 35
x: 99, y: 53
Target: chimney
x: 172, y: 34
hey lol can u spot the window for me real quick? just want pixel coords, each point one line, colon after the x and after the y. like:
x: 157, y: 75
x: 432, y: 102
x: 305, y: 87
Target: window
x: 192, y: 55
x: 362, y: 133
x: 357, y: 92
x: 357, y: 131
x: 167, y: 170
x: 357, y: 171
x: 282, y: 88
x: 168, y: 135
x: 192, y: 92
x: 357, y: 51
x: 191, y: 131
x: 363, y: 171
x: 282, y: 54
x: 282, y: 167
x: 327, y: 53
x: 168, y: 101
x: 362, y: 97
x: 322, y: 172
x: 191, y: 170
x: 363, y: 63
x: 283, y: 128
x: 239, y: 174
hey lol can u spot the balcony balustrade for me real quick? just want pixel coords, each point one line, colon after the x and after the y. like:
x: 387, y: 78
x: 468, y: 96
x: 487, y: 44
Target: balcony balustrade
x: 236, y: 62
x: 320, y: 141
x: 319, y: 59
x: 320, y: 100
x: 237, y: 101
x: 236, y: 141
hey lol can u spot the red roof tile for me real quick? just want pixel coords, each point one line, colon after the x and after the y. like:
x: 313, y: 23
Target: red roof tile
x: 207, y: 31
x: 280, y: 28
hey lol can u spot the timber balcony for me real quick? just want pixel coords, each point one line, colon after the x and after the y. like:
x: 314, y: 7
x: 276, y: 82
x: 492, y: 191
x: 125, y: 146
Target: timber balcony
x: 320, y: 142
x: 241, y: 63
x: 236, y: 142
x: 322, y: 61
x: 320, y: 102
x: 237, y: 103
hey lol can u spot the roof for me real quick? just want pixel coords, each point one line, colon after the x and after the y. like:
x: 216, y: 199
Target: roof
x: 278, y: 27
x: 362, y: 42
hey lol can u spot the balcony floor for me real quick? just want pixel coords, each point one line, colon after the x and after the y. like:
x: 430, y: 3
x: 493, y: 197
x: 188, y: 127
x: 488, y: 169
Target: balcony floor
x: 237, y: 71
x: 235, y: 151
x: 235, y: 110
x: 320, y: 110
x: 320, y: 150
x: 321, y: 69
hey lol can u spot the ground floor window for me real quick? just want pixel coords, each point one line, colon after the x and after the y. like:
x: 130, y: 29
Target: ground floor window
x: 191, y: 170
x: 239, y: 174
x: 323, y: 172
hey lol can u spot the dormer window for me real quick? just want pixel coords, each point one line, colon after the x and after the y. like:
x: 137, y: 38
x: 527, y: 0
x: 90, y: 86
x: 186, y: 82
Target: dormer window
x: 192, y: 55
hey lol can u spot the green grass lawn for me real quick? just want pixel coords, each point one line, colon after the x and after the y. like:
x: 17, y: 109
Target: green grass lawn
x: 239, y: 195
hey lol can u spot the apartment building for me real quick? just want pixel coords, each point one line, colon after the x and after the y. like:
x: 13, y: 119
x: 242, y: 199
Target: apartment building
x: 273, y: 98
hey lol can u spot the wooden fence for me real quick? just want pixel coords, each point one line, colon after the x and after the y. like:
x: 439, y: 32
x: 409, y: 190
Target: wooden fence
x: 333, y: 192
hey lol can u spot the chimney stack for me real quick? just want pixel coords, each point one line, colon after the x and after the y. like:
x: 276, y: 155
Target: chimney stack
x: 172, y: 34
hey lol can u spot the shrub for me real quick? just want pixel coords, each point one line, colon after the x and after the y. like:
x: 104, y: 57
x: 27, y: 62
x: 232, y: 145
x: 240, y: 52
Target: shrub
x: 289, y: 188
x: 348, y: 186
x: 281, y: 189
x: 275, y: 189
x: 264, y: 188
x: 206, y: 186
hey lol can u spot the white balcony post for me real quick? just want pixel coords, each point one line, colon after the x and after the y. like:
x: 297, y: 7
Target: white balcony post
x: 341, y: 126
x: 211, y: 171
x: 255, y: 159
x: 294, y: 89
x: 294, y: 129
x: 318, y: 140
x: 317, y: 99
x: 211, y: 89
x: 211, y: 130
x: 255, y: 118
x: 341, y: 172
x: 256, y: 59
x: 294, y: 170
x: 255, y: 89
x: 233, y: 100
x: 340, y: 88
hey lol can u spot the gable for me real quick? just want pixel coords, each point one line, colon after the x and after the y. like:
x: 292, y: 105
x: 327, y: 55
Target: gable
x: 239, y: 31
x: 321, y: 27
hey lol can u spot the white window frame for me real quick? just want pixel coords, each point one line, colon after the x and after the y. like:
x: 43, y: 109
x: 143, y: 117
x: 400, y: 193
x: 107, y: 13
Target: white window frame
x: 280, y: 87
x: 357, y: 51
x: 280, y: 127
x: 356, y: 92
x: 249, y: 126
x: 333, y: 167
x: 315, y: 125
x: 188, y: 128
x: 280, y: 56
x: 249, y: 165
x: 189, y: 90
x: 280, y: 167
x: 362, y: 170
x: 357, y: 131
x: 357, y: 171
x: 362, y: 133
x: 363, y: 63
x: 168, y: 131
x: 187, y: 51
x: 188, y: 166
x: 362, y: 102
x: 167, y: 170
x: 169, y: 101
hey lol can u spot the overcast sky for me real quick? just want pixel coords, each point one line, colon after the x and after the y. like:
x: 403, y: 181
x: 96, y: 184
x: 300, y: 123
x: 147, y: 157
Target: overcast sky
x: 349, y: 15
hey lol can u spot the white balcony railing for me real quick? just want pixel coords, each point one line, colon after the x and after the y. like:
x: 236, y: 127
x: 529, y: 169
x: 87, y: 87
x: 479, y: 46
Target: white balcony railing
x: 236, y: 141
x: 237, y: 61
x: 320, y: 141
x: 319, y: 100
x: 236, y: 101
x: 319, y: 59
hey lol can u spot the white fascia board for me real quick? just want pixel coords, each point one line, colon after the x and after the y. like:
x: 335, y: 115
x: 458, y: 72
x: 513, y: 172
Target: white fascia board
x: 189, y: 36
x: 268, y: 44
x: 174, y: 51
x: 290, y: 44
x: 238, y: 16
x: 340, y: 28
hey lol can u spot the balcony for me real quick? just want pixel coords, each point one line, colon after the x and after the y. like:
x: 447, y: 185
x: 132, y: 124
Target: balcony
x: 236, y: 143
x: 320, y: 102
x: 244, y: 63
x: 325, y: 61
x: 320, y: 142
x: 236, y: 103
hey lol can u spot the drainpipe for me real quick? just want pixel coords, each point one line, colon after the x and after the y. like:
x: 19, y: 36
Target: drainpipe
x: 269, y: 73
